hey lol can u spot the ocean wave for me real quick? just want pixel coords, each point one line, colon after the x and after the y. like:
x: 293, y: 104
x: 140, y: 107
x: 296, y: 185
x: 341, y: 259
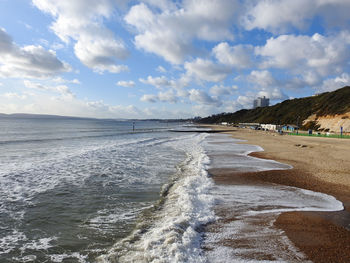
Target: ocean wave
x: 172, y: 232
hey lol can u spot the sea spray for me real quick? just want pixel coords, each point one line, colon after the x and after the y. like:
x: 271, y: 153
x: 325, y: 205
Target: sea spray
x: 173, y: 233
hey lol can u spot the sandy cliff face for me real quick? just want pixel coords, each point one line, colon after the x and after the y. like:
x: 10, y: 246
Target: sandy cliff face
x: 332, y: 122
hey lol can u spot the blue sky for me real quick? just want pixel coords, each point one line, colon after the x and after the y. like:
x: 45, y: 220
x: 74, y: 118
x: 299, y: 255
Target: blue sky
x: 167, y: 59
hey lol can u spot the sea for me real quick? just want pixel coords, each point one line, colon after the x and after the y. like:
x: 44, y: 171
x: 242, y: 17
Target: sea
x: 92, y: 190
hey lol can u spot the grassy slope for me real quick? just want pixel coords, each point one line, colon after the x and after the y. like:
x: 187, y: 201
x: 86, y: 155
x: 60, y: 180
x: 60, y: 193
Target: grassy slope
x: 290, y: 111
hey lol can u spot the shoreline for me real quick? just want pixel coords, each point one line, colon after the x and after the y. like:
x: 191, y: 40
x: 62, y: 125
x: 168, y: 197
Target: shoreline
x: 319, y: 164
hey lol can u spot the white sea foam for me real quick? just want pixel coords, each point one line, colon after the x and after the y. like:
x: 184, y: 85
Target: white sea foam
x: 109, y: 219
x: 254, y: 209
x: 226, y: 152
x: 65, y: 257
x: 40, y: 244
x: 174, y: 235
x: 23, y: 181
x: 251, y: 236
x: 10, y: 241
x: 87, y: 187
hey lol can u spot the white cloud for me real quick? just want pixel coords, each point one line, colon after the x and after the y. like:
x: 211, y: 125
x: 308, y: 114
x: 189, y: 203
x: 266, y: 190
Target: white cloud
x: 273, y: 93
x: 281, y: 15
x: 203, y: 110
x: 162, y: 96
x: 300, y: 54
x: 28, y: 61
x: 262, y: 78
x: 207, y: 70
x: 101, y: 52
x: 34, y: 85
x: 82, y: 21
x: 231, y: 106
x: 62, y: 80
x: 6, y: 44
x: 57, y: 46
x: 169, y: 32
x: 239, y: 56
x: 43, y: 103
x: 61, y: 89
x: 126, y: 84
x: 201, y: 97
x: 246, y: 101
x: 332, y: 84
x: 168, y: 96
x: 221, y: 90
x: 161, y: 69
x: 149, y: 98
x: 267, y: 86
x: 158, y: 82
x: 277, y: 15
x: 14, y: 95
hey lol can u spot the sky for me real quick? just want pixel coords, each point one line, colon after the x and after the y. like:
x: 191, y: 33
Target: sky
x: 168, y: 59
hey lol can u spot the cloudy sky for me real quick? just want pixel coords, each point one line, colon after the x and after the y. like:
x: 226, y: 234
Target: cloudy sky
x: 168, y: 59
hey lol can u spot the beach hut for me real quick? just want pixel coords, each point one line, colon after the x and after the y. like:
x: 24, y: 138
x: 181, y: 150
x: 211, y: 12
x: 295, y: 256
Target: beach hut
x: 290, y: 128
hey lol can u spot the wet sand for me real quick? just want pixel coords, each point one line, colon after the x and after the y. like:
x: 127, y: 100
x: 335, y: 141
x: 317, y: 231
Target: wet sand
x: 320, y: 164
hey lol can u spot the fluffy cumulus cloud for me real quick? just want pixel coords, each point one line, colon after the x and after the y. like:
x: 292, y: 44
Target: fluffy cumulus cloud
x: 281, y: 15
x: 158, y: 82
x: 203, y: 98
x: 262, y: 78
x: 81, y: 21
x: 38, y: 102
x: 6, y: 44
x: 162, y: 96
x: 206, y: 56
x: 264, y: 84
x: 221, y: 90
x: 62, y: 80
x: 63, y: 90
x: 101, y: 53
x: 169, y: 31
x: 28, y: 61
x: 168, y: 96
x: 195, y: 96
x: 331, y: 84
x: 273, y: 93
x: 126, y: 84
x: 14, y: 95
x: 149, y: 98
x: 239, y: 56
x: 207, y: 70
x: 302, y: 54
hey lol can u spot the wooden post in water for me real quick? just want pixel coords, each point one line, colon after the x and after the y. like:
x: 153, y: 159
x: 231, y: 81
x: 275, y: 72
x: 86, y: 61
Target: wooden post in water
x: 133, y: 126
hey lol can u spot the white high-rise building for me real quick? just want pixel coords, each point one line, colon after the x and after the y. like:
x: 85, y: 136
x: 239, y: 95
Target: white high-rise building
x: 261, y: 102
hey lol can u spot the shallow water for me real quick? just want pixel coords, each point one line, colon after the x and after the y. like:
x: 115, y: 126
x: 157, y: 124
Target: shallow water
x: 76, y: 190
x: 71, y: 188
x: 244, y: 230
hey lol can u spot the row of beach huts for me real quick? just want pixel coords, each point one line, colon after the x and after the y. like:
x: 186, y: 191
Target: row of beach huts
x: 265, y: 127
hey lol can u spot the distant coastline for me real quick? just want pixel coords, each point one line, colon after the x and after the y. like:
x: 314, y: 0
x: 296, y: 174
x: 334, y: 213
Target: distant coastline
x: 49, y: 116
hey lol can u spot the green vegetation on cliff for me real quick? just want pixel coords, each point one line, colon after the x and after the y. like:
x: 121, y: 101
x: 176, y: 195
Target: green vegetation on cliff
x: 290, y: 111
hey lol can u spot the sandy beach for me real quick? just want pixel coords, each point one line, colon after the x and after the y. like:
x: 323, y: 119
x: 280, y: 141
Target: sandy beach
x: 321, y: 165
